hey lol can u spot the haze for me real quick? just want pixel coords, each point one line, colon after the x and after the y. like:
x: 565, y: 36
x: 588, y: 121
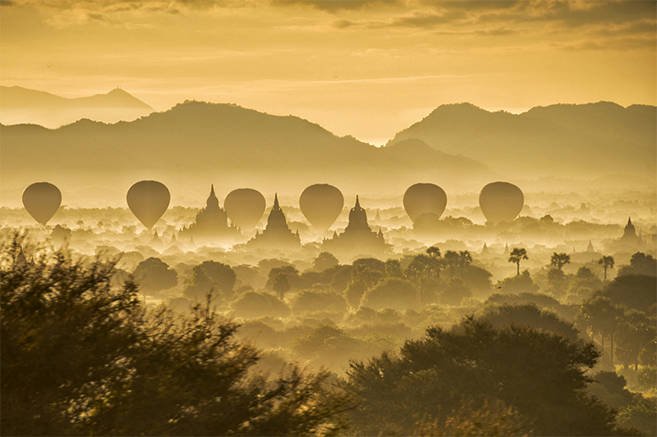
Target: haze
x: 312, y: 218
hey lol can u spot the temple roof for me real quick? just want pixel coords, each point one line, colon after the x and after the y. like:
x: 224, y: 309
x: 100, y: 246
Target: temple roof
x: 212, y: 199
x: 357, y: 217
x: 276, y: 217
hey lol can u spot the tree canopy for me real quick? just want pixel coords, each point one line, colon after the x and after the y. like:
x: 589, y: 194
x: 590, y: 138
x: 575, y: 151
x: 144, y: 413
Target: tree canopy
x: 80, y: 357
x: 540, y: 376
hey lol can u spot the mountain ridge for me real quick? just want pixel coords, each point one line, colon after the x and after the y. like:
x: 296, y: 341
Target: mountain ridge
x: 17, y: 96
x: 560, y: 140
x: 21, y: 105
x: 457, y: 146
x: 199, y: 140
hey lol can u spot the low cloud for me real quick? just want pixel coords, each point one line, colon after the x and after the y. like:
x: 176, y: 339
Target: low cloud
x: 416, y: 13
x: 424, y: 19
x: 334, y: 6
x: 619, y: 44
x: 114, y: 6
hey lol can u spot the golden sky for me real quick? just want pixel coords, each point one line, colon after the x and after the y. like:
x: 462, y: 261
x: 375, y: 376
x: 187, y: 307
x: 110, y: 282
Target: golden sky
x: 361, y: 68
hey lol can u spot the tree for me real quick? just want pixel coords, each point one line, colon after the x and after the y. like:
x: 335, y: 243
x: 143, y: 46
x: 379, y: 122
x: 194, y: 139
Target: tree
x: 607, y: 262
x: 452, y: 261
x: 642, y: 415
x: 478, y: 279
x: 610, y: 388
x: 529, y: 315
x: 210, y: 276
x: 199, y: 286
x: 154, y: 275
x: 557, y: 282
x: 253, y: 305
x: 464, y: 259
x: 372, y: 264
x: 325, y: 260
x: 394, y: 269
x: 82, y: 358
x: 601, y: 316
x: 433, y: 251
x: 281, y: 285
x: 559, y: 259
x: 518, y: 284
x: 492, y: 418
x: 222, y: 275
x: 284, y: 278
x: 539, y: 375
x: 636, y: 334
x: 364, y: 275
x: 423, y: 269
x: 517, y: 255
x: 584, y: 284
x: 640, y: 264
x: 424, y: 272
x: 312, y: 301
x: 633, y: 291
x: 391, y: 293
x: 328, y: 345
x: 455, y: 292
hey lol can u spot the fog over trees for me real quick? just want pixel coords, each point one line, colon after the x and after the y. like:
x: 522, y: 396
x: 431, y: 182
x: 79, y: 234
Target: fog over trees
x: 423, y: 344
x: 284, y: 281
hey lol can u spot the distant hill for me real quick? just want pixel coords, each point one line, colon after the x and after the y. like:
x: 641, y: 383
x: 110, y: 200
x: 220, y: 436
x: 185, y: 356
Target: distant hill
x: 584, y: 141
x: 202, y: 143
x: 22, y: 105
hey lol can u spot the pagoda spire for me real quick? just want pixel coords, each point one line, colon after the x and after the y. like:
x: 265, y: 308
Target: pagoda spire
x: 212, y: 198
x: 276, y: 201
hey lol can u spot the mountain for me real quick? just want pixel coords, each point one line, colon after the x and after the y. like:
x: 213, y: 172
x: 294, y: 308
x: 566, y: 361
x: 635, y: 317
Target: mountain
x: 586, y: 141
x: 195, y: 144
x: 21, y: 105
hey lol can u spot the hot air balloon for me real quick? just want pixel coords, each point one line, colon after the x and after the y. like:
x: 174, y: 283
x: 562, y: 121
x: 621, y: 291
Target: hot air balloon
x: 422, y: 199
x: 501, y: 201
x: 245, y: 207
x: 42, y: 200
x: 321, y: 204
x: 148, y: 200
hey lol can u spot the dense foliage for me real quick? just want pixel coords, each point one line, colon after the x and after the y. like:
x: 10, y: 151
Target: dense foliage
x: 82, y: 355
x: 82, y: 358
x: 539, y: 376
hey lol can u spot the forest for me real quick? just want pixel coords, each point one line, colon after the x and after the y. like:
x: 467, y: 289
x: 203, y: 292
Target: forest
x: 425, y: 344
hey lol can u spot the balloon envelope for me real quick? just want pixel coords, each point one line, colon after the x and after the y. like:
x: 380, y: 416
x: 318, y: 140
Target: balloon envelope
x: 42, y: 200
x: 321, y: 204
x: 501, y: 201
x: 424, y: 198
x: 148, y: 200
x: 245, y: 207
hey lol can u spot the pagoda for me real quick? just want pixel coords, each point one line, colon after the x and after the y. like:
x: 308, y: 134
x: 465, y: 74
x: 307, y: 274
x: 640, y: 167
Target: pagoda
x: 211, y: 223
x: 358, y: 238
x: 277, y: 234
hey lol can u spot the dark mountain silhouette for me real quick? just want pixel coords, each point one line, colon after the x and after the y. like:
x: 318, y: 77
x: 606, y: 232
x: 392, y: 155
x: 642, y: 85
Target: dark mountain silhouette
x: 22, y: 105
x: 220, y: 142
x: 584, y: 141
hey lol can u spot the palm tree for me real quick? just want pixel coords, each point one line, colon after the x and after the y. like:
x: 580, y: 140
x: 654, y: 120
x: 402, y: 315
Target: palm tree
x: 433, y: 251
x: 464, y: 259
x: 452, y: 260
x: 607, y: 262
x: 517, y: 255
x: 559, y: 259
x: 601, y: 316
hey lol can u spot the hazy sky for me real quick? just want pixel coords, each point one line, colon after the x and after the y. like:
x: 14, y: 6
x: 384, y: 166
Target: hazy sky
x: 365, y: 68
